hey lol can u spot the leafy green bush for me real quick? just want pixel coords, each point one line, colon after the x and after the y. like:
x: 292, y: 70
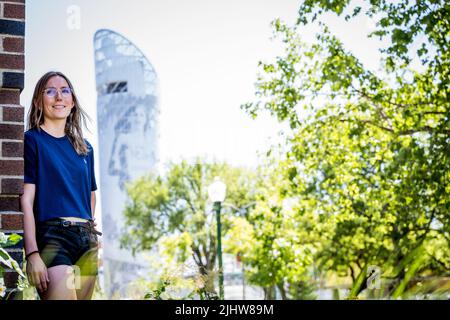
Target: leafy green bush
x: 8, y: 262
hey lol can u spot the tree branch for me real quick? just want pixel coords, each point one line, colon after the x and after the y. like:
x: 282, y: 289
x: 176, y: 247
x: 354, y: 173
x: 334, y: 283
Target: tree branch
x: 352, y: 273
x: 442, y: 264
x: 191, y: 206
x: 197, y: 256
x: 404, y: 106
x: 400, y: 133
x: 435, y: 112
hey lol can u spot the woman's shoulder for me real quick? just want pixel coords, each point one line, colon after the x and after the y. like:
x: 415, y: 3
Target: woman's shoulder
x: 87, y: 142
x: 31, y: 134
x: 89, y: 145
x: 31, y: 131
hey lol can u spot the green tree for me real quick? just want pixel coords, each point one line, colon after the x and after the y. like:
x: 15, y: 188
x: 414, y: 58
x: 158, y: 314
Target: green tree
x: 369, y: 151
x: 277, y: 240
x: 173, y: 210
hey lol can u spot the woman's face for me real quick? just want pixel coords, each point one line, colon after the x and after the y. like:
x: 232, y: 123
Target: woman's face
x: 139, y: 117
x: 57, y: 103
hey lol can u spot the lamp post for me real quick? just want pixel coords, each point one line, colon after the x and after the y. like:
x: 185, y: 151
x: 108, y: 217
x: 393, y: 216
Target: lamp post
x: 216, y: 192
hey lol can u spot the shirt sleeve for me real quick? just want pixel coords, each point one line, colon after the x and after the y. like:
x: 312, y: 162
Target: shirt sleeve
x: 93, y: 182
x: 30, y: 159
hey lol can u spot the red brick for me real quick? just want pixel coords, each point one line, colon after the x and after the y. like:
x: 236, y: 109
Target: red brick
x: 12, y: 186
x: 14, y: 45
x: 9, y: 96
x: 11, y: 279
x: 19, y: 1
x: 14, y: 11
x: 12, y: 221
x: 14, y: 114
x: 12, y: 149
x: 9, y: 204
x: 11, y: 167
x: 11, y: 131
x: 12, y: 61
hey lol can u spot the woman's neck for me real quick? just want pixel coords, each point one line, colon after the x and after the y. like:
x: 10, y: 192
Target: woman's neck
x: 54, y: 128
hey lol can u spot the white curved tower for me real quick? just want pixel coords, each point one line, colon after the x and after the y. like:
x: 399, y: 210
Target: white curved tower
x: 127, y: 115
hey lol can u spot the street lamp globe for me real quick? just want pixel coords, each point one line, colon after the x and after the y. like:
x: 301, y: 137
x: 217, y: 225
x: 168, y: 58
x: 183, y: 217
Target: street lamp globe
x: 217, y: 190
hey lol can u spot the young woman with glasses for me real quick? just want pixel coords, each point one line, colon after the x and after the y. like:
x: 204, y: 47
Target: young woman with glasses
x: 58, y: 201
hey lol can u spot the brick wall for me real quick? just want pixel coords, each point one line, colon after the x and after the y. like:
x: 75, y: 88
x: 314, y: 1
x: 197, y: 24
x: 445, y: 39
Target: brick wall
x: 12, y: 65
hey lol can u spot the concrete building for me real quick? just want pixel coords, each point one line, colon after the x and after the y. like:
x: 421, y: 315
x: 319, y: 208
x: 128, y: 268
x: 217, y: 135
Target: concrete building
x: 127, y: 117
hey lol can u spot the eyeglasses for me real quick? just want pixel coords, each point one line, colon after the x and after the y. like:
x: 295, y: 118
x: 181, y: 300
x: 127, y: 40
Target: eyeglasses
x: 51, y: 92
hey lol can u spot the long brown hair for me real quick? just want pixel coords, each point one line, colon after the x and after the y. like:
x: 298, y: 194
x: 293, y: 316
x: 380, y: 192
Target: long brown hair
x: 76, y: 117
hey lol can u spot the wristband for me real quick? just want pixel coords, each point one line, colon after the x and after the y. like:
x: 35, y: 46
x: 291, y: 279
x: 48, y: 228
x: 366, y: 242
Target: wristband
x: 28, y: 255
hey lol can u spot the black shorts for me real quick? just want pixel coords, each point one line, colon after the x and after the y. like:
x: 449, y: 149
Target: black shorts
x: 71, y: 245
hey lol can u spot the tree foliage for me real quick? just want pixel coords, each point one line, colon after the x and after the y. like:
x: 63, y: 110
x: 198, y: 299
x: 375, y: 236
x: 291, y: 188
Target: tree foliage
x: 361, y: 180
x: 368, y: 152
x: 172, y: 210
x: 277, y: 241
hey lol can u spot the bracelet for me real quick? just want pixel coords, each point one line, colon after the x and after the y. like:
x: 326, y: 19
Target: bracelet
x: 28, y: 255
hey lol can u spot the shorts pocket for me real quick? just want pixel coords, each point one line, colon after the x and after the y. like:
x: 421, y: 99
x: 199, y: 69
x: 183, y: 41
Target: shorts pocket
x: 43, y: 231
x: 93, y: 240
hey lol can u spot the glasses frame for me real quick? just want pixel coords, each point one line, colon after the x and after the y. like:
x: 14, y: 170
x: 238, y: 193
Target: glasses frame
x: 58, y: 90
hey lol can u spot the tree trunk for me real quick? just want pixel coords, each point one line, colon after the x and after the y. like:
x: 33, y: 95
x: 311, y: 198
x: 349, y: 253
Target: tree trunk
x: 413, y: 267
x: 336, y: 294
x: 359, y: 284
x: 282, y: 291
x: 269, y: 293
x: 208, y: 280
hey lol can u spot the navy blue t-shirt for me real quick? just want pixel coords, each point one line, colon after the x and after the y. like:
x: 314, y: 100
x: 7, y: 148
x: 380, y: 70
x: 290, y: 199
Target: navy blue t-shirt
x: 63, y: 179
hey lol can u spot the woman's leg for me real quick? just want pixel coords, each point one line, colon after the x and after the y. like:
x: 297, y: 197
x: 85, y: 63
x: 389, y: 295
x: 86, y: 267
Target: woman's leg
x: 87, y: 287
x: 62, y: 285
x: 87, y: 269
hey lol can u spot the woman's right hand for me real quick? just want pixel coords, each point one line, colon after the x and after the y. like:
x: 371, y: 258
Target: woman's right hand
x: 37, y: 272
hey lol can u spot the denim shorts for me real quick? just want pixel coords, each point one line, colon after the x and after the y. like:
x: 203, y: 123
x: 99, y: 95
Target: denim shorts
x: 71, y: 245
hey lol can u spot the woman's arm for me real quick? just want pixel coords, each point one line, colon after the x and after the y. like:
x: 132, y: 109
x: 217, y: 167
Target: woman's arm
x: 93, y: 201
x: 36, y: 269
x: 26, y: 202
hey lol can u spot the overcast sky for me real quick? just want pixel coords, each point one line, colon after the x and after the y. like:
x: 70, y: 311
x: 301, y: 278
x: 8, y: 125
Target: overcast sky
x: 205, y: 53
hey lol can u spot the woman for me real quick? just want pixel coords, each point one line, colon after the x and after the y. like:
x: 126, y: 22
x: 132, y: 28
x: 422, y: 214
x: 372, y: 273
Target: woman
x: 59, y: 194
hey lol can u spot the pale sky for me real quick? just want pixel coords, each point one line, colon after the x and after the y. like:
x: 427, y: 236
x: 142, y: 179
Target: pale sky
x: 205, y: 53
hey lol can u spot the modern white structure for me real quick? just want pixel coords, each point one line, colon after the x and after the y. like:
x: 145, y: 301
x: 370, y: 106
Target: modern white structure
x: 127, y: 117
